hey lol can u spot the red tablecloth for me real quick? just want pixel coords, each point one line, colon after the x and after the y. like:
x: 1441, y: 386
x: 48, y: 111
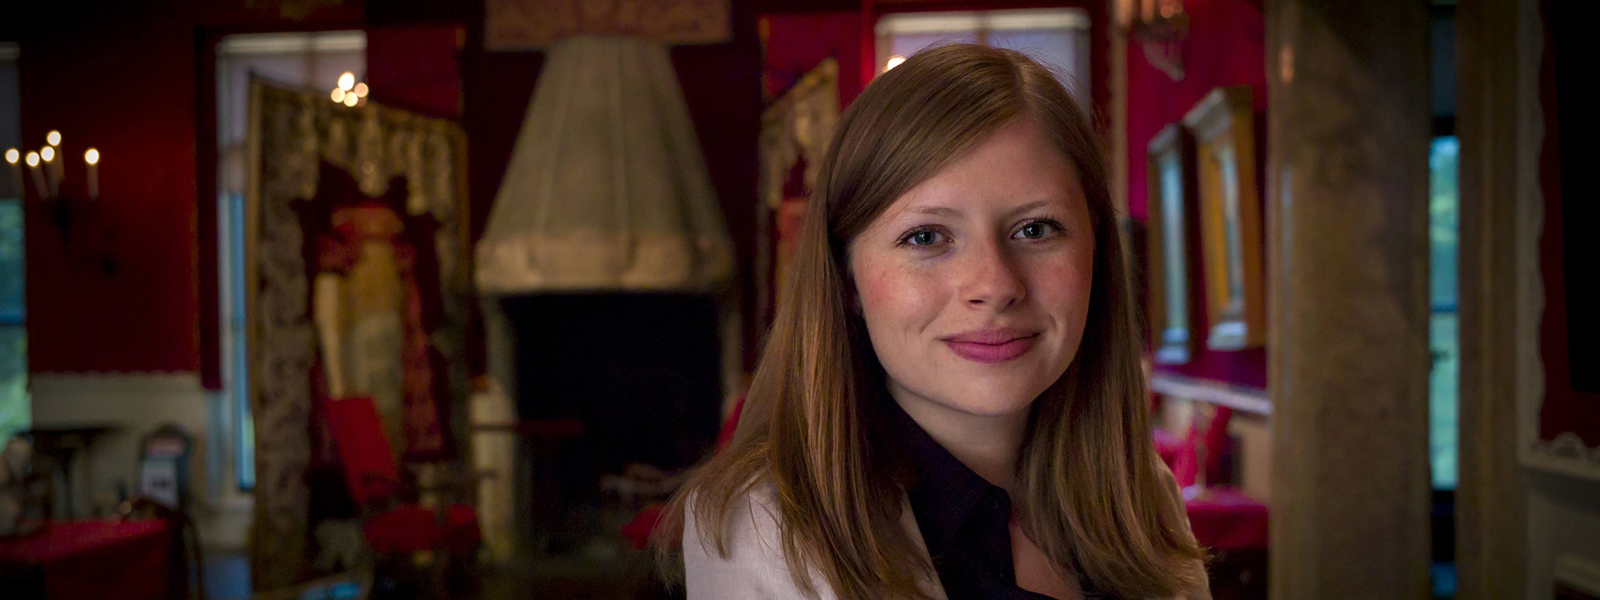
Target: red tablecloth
x: 95, y: 559
x: 1226, y: 519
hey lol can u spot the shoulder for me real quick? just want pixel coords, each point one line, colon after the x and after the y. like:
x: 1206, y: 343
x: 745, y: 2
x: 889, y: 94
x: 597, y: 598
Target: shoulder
x: 754, y: 565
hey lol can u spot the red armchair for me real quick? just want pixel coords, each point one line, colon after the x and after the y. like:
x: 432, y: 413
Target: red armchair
x: 394, y: 525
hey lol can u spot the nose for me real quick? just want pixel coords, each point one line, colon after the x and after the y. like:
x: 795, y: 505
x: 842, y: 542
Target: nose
x: 991, y: 277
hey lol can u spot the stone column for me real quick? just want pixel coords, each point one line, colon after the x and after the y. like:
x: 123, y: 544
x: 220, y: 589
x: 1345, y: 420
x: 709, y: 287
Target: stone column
x: 1348, y: 127
x: 493, y: 416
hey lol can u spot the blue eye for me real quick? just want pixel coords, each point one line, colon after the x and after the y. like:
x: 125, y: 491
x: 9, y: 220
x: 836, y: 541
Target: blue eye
x: 922, y: 237
x: 1038, y: 230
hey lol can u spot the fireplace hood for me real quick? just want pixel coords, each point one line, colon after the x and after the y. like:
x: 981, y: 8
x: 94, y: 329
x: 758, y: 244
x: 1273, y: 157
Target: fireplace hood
x: 607, y: 190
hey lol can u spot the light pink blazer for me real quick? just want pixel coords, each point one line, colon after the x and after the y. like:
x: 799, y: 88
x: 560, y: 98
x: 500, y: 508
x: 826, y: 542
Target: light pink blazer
x: 755, y: 568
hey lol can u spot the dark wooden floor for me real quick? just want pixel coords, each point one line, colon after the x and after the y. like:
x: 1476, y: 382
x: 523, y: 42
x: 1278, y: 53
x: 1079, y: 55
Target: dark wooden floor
x: 630, y: 577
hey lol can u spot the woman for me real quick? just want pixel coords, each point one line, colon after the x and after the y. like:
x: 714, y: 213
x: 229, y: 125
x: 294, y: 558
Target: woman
x: 950, y: 403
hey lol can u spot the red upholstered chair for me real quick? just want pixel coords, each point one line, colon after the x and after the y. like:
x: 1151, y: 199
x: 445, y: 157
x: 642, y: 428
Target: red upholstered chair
x: 1228, y: 523
x: 1206, y: 440
x: 1168, y: 446
x: 394, y: 527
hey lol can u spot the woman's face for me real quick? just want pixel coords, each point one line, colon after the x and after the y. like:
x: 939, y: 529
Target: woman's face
x: 975, y: 284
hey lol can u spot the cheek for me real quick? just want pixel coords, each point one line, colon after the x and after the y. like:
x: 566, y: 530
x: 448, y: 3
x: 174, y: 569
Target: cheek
x: 894, y: 299
x: 1067, y: 290
x: 1072, y: 280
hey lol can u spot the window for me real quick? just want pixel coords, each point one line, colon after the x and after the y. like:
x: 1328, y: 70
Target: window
x: 311, y: 60
x: 1058, y: 38
x: 1443, y: 340
x: 1443, y: 207
x: 16, y: 406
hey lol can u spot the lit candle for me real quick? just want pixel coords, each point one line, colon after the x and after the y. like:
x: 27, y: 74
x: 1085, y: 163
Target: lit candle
x: 14, y: 158
x: 52, y: 168
x: 92, y: 157
x: 57, y: 171
x: 38, y: 178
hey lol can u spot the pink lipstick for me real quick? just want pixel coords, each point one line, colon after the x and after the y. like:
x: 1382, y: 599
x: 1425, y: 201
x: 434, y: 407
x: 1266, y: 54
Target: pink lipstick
x: 992, y: 346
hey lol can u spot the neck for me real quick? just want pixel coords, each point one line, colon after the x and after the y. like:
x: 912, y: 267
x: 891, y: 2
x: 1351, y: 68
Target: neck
x: 987, y: 444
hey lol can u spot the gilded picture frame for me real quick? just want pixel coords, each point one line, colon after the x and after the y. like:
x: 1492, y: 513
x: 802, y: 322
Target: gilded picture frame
x: 1230, y: 218
x: 1172, y: 228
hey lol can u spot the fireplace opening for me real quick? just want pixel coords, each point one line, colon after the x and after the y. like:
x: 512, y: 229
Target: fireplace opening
x: 615, y: 393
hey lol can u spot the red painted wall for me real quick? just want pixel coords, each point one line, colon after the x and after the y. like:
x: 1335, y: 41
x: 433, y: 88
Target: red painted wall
x: 417, y: 68
x: 1225, y: 46
x: 796, y: 44
x: 123, y: 295
x: 124, y: 83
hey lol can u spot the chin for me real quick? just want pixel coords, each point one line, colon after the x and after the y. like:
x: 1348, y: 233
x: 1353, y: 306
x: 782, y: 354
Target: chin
x: 996, y: 400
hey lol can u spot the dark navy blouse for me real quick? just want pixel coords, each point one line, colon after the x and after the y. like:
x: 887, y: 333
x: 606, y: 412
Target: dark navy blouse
x: 964, y: 519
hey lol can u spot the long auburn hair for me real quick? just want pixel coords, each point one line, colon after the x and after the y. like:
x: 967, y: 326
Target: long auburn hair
x: 1096, y: 499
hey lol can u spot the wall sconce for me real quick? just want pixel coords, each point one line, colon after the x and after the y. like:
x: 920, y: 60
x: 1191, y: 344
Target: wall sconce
x: 47, y: 169
x: 1160, y: 27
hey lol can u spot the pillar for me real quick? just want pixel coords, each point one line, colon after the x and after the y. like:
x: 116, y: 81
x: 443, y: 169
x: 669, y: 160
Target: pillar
x: 1348, y: 364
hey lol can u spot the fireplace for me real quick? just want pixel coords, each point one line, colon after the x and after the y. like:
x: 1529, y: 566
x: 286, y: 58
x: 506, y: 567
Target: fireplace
x: 607, y: 383
x: 606, y: 277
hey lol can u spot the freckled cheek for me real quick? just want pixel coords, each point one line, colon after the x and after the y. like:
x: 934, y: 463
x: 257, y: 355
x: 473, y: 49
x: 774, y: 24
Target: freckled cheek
x: 1064, y: 285
x: 900, y: 300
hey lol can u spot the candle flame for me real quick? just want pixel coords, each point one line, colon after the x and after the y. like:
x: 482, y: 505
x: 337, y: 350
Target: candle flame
x: 361, y: 90
x: 54, y: 137
x: 351, y: 99
x: 92, y: 156
x: 48, y: 153
x: 894, y: 61
x: 33, y: 159
x: 12, y: 156
x: 338, y: 94
x: 347, y: 81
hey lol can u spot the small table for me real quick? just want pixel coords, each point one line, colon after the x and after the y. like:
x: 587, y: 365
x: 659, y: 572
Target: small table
x: 68, y: 560
x: 1226, y: 519
x: 1233, y: 527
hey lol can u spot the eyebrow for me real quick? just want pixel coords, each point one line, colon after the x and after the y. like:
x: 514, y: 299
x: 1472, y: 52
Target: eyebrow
x: 945, y: 211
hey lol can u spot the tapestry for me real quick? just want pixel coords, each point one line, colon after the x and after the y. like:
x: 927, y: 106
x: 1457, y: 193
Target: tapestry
x: 534, y: 24
x: 358, y: 283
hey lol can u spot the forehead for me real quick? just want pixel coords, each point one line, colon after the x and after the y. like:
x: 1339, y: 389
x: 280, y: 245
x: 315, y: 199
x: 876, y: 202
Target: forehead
x: 1016, y: 165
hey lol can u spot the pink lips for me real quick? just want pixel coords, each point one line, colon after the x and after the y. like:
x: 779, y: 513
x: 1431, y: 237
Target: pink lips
x: 992, y: 346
